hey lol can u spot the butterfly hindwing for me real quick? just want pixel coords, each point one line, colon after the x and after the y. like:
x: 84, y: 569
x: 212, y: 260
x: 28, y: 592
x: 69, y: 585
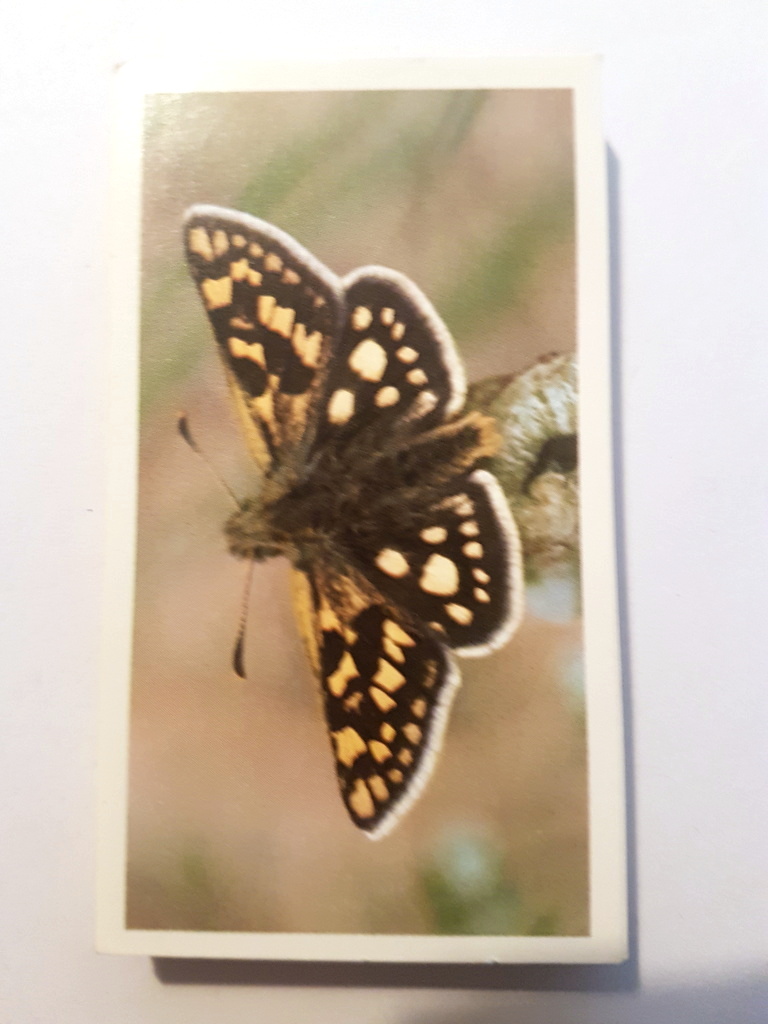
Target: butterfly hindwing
x: 460, y: 572
x: 387, y: 685
x: 275, y: 312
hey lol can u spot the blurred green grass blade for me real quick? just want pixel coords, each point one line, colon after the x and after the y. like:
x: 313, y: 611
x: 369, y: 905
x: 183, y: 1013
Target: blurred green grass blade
x: 494, y: 278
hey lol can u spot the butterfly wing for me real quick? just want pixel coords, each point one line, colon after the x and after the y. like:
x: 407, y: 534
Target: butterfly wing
x: 387, y: 685
x: 395, y: 362
x: 457, y: 567
x: 432, y: 533
x: 275, y: 312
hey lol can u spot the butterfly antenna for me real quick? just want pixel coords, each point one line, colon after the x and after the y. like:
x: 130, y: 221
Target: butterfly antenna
x: 183, y: 425
x: 238, y: 656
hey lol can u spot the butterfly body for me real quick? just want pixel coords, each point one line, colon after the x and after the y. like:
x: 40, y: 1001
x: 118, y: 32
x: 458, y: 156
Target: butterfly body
x: 350, y: 393
x: 354, y: 496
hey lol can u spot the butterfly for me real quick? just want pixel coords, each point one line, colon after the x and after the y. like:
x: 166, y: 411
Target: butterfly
x: 351, y: 395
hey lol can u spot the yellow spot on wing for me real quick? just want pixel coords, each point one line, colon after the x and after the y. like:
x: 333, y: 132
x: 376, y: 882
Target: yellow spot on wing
x: 337, y: 683
x: 290, y: 277
x: 253, y: 277
x: 241, y: 350
x: 238, y: 241
x: 312, y: 354
x: 381, y: 699
x: 387, y: 733
x: 430, y: 675
x: 424, y: 403
x: 368, y: 360
x: 412, y: 732
x: 386, y: 396
x: 237, y: 347
x: 405, y: 756
x: 329, y: 620
x: 440, y: 576
x: 394, y: 632
x: 395, y: 775
x: 242, y: 322
x: 255, y: 249
x: 416, y: 376
x: 397, y: 332
x: 341, y: 406
x: 434, y: 534
x: 419, y: 707
x: 256, y: 353
x: 481, y: 595
x: 239, y: 269
x: 220, y: 242
x: 307, y: 347
x: 392, y: 562
x: 352, y: 702
x: 481, y: 575
x: 388, y: 677
x: 216, y: 292
x: 473, y: 549
x: 469, y: 528
x: 265, y: 305
x: 378, y: 787
x: 281, y: 321
x: 387, y: 316
x: 361, y: 318
x: 380, y: 751
x: 392, y: 651
x: 360, y: 800
x: 299, y: 340
x: 349, y: 745
x: 459, y: 614
x: 406, y: 354
x: 200, y: 242
x: 273, y: 263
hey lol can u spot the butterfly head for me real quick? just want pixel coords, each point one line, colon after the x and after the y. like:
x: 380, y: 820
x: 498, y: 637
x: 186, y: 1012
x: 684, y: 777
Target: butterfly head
x: 249, y: 535
x: 275, y: 523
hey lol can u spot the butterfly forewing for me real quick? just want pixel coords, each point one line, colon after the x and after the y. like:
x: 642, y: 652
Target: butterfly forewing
x: 395, y: 362
x: 387, y: 683
x: 275, y: 312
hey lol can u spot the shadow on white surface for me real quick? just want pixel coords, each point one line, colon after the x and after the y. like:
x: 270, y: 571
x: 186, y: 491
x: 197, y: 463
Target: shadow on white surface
x: 735, y: 1003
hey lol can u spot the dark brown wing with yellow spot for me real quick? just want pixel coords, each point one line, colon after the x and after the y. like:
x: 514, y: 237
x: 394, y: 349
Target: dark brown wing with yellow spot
x: 459, y: 570
x: 395, y: 361
x: 387, y: 685
x: 275, y: 311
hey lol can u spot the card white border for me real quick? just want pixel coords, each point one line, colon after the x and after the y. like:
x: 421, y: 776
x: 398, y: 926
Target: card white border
x: 607, y: 941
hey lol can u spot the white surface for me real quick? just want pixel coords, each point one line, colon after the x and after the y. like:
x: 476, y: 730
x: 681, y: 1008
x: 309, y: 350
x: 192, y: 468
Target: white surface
x: 686, y: 101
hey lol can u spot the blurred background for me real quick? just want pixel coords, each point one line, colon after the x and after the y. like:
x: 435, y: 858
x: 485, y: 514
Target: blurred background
x: 235, y: 818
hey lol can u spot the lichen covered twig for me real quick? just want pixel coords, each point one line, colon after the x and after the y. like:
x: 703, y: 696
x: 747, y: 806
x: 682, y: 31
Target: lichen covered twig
x: 537, y: 465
